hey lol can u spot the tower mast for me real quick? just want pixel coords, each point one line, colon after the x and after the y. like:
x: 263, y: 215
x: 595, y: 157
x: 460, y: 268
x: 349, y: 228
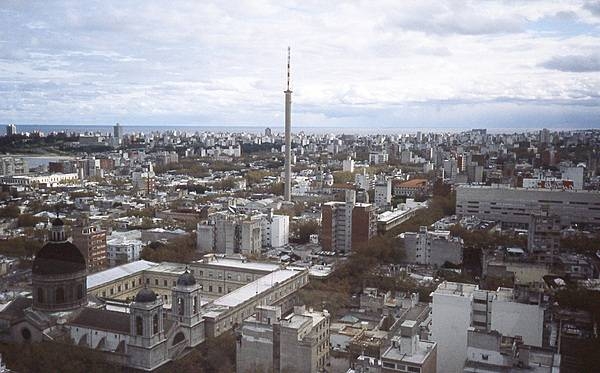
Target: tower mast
x: 287, y: 193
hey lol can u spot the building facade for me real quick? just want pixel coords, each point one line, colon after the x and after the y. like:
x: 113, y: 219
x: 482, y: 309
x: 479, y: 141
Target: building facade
x: 432, y: 248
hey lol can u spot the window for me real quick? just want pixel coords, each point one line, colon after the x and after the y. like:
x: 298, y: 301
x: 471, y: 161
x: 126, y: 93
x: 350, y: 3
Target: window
x: 119, y: 288
x: 210, y: 288
x: 40, y: 294
x: 165, y: 283
x: 104, y: 294
x: 140, y: 281
x: 147, y: 281
x: 195, y: 305
x: 389, y: 365
x: 139, y: 325
x: 112, y: 291
x: 414, y: 369
x: 484, y: 356
x: 220, y: 289
x: 180, y: 306
x: 156, y: 281
x: 79, y: 291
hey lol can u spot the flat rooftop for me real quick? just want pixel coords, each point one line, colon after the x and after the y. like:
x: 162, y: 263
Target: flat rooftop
x: 418, y: 357
x: 109, y: 275
x: 236, y: 263
x: 263, y: 284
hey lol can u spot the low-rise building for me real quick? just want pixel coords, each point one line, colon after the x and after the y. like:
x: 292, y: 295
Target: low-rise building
x: 408, y: 353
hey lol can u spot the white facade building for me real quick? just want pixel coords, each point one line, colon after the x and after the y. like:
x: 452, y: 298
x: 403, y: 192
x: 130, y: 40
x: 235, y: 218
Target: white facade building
x: 275, y: 230
x: 458, y: 306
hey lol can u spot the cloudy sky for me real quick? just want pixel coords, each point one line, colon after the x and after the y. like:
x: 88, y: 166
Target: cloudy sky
x: 513, y: 64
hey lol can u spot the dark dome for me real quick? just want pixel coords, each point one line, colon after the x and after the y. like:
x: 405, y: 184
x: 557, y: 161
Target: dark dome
x: 145, y: 296
x: 186, y: 279
x: 56, y: 222
x: 56, y: 258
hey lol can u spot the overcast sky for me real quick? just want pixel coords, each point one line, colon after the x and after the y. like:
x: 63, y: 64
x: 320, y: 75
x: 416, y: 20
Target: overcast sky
x: 514, y: 64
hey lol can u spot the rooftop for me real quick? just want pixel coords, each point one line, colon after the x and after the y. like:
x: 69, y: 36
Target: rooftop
x: 109, y: 275
x: 252, y: 289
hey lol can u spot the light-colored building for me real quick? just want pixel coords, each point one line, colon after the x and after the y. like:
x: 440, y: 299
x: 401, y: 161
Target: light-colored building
x: 229, y: 234
x: 275, y: 230
x: 123, y: 247
x: 348, y: 165
x: 383, y: 192
x: 432, y: 248
x: 458, y: 306
x: 493, y: 352
x: 513, y: 206
x: 378, y: 157
x: 345, y: 225
x: 298, y: 342
x: 408, y: 353
x: 13, y: 166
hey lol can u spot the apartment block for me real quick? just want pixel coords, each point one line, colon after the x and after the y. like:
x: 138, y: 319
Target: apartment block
x: 345, y: 225
x: 432, y: 248
x: 298, y: 342
x: 458, y: 307
x: 91, y: 240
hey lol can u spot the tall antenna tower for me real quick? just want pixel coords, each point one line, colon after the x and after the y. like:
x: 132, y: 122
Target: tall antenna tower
x: 287, y: 192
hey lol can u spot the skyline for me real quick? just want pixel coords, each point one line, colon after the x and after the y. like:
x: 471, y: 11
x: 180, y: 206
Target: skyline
x: 469, y: 64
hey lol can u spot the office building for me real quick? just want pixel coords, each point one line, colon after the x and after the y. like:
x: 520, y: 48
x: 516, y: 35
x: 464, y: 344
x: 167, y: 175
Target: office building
x: 513, y: 206
x: 11, y: 130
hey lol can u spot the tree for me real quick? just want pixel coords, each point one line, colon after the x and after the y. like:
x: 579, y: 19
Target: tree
x: 301, y: 231
x: 343, y: 177
x: 10, y: 211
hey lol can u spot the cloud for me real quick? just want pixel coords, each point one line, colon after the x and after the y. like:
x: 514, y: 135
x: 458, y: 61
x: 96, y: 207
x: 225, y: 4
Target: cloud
x: 593, y: 7
x: 224, y: 62
x: 574, y: 63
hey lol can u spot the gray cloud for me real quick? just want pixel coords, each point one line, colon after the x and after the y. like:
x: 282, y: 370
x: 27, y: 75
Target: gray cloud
x: 593, y: 7
x: 574, y: 63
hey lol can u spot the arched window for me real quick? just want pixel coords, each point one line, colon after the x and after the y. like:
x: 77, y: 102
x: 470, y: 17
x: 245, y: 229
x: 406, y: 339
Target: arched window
x: 195, y: 305
x: 180, y: 306
x: 139, y: 325
x: 40, y: 295
x: 60, y: 295
x: 155, y: 323
x: 79, y: 291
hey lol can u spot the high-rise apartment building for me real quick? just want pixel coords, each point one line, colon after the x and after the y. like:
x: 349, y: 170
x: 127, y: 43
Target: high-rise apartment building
x: 345, y: 225
x: 11, y: 130
x: 91, y: 240
x: 458, y: 307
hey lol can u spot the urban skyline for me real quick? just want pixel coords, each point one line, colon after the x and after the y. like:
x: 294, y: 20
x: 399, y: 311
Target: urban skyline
x: 430, y: 64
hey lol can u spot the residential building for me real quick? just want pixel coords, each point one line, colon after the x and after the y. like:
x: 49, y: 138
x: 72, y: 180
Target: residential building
x: 348, y: 165
x: 275, y: 230
x: 383, y: 192
x: 408, y: 353
x: 227, y: 233
x: 296, y: 342
x: 13, y: 166
x: 458, y: 306
x: 344, y: 225
x: 544, y: 234
x: 432, y: 248
x: 91, y: 240
x: 11, y: 130
x: 493, y: 352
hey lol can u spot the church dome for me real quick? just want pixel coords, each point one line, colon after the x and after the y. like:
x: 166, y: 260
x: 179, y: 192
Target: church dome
x: 186, y: 279
x: 56, y: 258
x: 145, y: 296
